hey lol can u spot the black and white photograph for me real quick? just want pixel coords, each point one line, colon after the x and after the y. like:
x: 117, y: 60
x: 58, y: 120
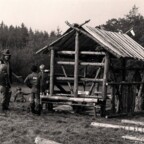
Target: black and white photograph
x: 71, y: 72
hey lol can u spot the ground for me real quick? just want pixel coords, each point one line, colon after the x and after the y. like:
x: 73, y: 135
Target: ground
x: 21, y: 127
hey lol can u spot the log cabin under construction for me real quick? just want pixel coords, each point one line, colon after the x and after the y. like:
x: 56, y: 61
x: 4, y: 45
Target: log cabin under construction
x: 109, y: 65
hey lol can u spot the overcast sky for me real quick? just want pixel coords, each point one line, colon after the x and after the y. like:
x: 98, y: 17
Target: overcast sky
x: 49, y: 14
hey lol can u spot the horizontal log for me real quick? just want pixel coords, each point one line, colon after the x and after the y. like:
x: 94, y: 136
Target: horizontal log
x: 132, y: 122
x: 81, y: 79
x: 134, y: 138
x: 124, y: 83
x: 91, y: 64
x: 128, y: 128
x: 68, y: 99
x: 81, y: 52
x: 80, y: 63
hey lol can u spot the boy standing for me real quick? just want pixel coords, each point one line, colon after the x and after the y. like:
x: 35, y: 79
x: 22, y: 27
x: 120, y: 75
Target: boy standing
x: 44, y: 79
x: 33, y: 82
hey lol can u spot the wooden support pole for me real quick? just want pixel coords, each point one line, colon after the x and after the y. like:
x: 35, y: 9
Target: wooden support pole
x: 76, y: 64
x: 104, y: 87
x: 105, y: 77
x: 122, y: 97
x: 52, y: 72
x: 139, y: 99
x: 113, y: 100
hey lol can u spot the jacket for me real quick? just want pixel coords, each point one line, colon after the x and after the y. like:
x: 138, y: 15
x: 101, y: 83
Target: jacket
x: 33, y: 82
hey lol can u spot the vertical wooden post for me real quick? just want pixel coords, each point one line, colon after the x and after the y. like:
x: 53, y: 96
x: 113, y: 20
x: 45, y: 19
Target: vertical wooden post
x: 76, y: 64
x: 104, y: 88
x: 139, y: 98
x: 123, y: 96
x: 113, y: 100
x: 106, y: 68
x: 52, y: 72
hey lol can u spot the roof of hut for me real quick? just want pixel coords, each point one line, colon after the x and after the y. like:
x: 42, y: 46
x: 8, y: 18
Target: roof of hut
x: 91, y: 39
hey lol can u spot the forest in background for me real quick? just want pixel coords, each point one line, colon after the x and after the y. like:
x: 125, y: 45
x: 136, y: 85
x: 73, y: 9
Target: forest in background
x: 24, y: 42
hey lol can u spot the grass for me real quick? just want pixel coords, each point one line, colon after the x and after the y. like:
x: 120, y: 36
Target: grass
x: 21, y: 127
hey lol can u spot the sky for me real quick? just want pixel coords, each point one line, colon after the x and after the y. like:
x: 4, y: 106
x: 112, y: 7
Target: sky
x: 48, y: 15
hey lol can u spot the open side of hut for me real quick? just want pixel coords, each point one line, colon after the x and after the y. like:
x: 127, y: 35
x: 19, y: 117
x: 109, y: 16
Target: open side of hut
x: 96, y: 65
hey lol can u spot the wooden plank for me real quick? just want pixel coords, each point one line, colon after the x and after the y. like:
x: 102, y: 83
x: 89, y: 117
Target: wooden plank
x: 128, y: 128
x: 138, y: 48
x: 122, y: 44
x: 134, y: 138
x: 118, y: 44
x: 112, y: 42
x: 129, y: 48
x: 132, y: 122
x: 103, y: 41
x: 39, y: 140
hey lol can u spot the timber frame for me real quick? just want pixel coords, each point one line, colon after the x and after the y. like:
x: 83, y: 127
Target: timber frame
x: 100, y: 88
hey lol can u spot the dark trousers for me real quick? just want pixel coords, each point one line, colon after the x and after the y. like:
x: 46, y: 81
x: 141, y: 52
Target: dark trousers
x: 35, y: 103
x: 6, y: 96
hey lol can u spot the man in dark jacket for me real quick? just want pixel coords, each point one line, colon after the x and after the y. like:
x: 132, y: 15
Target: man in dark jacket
x: 33, y: 82
x: 4, y: 87
x: 6, y: 56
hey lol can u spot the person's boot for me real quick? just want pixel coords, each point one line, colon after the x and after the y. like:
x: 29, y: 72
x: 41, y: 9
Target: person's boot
x: 38, y: 109
x: 2, y: 111
x: 32, y: 108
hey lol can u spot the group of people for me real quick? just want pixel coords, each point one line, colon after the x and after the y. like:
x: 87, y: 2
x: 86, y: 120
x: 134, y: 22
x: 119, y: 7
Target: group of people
x: 37, y: 81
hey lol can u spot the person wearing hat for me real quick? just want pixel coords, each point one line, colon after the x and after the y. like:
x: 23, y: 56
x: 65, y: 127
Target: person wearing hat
x: 44, y: 79
x: 4, y: 87
x: 6, y: 56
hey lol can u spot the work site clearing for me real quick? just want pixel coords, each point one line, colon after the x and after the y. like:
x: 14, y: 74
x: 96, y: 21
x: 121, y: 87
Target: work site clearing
x: 19, y: 126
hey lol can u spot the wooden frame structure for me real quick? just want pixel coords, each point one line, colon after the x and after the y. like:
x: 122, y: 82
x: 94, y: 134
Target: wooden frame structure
x: 98, y: 86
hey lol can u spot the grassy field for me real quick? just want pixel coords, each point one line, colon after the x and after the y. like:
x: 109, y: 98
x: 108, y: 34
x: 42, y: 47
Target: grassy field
x: 21, y: 127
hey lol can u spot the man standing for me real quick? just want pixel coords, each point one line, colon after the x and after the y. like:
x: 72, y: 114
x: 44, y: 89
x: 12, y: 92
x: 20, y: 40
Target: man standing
x: 4, y: 87
x: 6, y: 61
